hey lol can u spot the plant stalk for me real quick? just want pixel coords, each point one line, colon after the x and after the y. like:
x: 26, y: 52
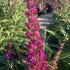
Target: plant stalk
x: 55, y: 61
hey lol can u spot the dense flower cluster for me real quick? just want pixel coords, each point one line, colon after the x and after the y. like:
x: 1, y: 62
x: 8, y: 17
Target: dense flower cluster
x: 9, y: 55
x: 36, y: 56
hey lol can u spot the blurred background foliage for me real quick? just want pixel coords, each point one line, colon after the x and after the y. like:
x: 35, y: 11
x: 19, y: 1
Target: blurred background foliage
x: 13, y: 27
x: 56, y: 33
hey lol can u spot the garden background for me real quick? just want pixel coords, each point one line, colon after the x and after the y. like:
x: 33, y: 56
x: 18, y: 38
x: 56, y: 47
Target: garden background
x: 13, y: 31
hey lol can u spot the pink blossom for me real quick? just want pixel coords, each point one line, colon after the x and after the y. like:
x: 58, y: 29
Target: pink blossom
x: 33, y: 19
x: 34, y: 10
x: 36, y: 57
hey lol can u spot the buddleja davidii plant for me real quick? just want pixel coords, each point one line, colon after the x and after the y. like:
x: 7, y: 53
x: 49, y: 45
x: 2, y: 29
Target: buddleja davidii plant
x: 36, y: 56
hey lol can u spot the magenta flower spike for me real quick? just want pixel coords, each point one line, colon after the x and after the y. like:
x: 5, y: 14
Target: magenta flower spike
x: 9, y: 55
x: 36, y: 57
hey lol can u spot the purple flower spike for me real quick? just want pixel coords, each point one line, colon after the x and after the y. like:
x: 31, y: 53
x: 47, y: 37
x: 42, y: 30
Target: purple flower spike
x: 9, y: 56
x: 36, y: 57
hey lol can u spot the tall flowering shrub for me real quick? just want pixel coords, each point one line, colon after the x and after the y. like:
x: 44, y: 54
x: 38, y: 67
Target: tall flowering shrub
x: 36, y: 56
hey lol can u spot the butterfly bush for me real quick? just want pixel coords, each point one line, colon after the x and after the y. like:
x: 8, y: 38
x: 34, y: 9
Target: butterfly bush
x: 9, y: 52
x: 36, y: 57
x: 9, y: 55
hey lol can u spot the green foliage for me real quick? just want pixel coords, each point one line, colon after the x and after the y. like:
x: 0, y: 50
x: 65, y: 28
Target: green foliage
x: 12, y: 22
x: 12, y: 27
x: 63, y: 65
